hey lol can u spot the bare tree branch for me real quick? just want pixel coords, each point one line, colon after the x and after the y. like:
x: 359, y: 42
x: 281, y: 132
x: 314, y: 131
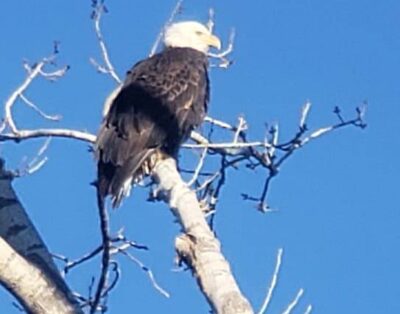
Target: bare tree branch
x: 274, y: 281
x: 198, y: 168
x: 17, y: 134
x: 26, y: 267
x: 145, y: 269
x: 304, y: 115
x: 120, y: 243
x: 30, y: 285
x: 105, y: 260
x: 36, y: 163
x: 8, y: 118
x: 198, y: 247
x: 211, y: 20
x: 98, y: 10
x: 176, y: 10
x: 21, y: 135
x: 295, y: 301
x: 38, y: 110
x: 222, y: 56
x: 308, y: 309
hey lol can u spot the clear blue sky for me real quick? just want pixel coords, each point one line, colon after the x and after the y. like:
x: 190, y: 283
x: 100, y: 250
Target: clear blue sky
x: 338, y: 205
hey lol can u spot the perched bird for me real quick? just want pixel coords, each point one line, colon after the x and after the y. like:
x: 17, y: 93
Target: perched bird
x: 162, y: 99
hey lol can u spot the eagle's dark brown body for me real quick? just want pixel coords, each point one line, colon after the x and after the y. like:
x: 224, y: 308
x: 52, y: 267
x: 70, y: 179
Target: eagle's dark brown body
x: 162, y: 99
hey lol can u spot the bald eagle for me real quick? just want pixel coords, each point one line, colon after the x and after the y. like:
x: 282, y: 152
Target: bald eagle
x: 162, y: 99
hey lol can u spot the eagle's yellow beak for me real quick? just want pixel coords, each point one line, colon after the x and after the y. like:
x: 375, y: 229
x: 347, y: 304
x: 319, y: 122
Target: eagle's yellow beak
x: 213, y: 41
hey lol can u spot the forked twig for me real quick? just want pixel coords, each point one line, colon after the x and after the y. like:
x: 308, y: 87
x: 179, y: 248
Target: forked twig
x: 98, y: 9
x: 222, y: 56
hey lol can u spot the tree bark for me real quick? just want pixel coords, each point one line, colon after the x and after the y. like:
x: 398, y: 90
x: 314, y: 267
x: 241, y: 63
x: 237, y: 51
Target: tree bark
x: 27, y: 269
x: 198, y: 246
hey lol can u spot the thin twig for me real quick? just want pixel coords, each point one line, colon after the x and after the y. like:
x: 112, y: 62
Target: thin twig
x: 38, y: 165
x: 224, y: 62
x: 148, y: 271
x: 108, y: 68
x: 126, y: 244
x: 242, y: 126
x: 208, y: 181
x: 114, y: 268
x: 37, y: 109
x: 304, y: 114
x: 293, y: 304
x: 325, y: 130
x: 211, y: 19
x: 105, y: 261
x: 308, y: 309
x: 274, y: 140
x: 273, y: 282
x: 177, y: 9
x: 198, y: 168
x: 228, y: 50
x: 219, y: 123
x: 262, y: 205
x: 221, y: 181
x: 38, y: 161
x: 3, y: 125
x: 69, y: 265
x: 228, y: 145
x: 55, y: 75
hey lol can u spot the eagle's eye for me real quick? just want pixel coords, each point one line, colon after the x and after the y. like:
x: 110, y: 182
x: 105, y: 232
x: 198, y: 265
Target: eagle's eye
x: 199, y: 33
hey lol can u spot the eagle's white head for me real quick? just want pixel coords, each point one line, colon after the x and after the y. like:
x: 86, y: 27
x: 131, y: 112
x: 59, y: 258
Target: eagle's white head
x: 190, y: 34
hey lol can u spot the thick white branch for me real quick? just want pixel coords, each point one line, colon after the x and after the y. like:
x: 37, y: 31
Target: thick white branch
x: 26, y: 267
x: 30, y: 285
x: 198, y: 246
